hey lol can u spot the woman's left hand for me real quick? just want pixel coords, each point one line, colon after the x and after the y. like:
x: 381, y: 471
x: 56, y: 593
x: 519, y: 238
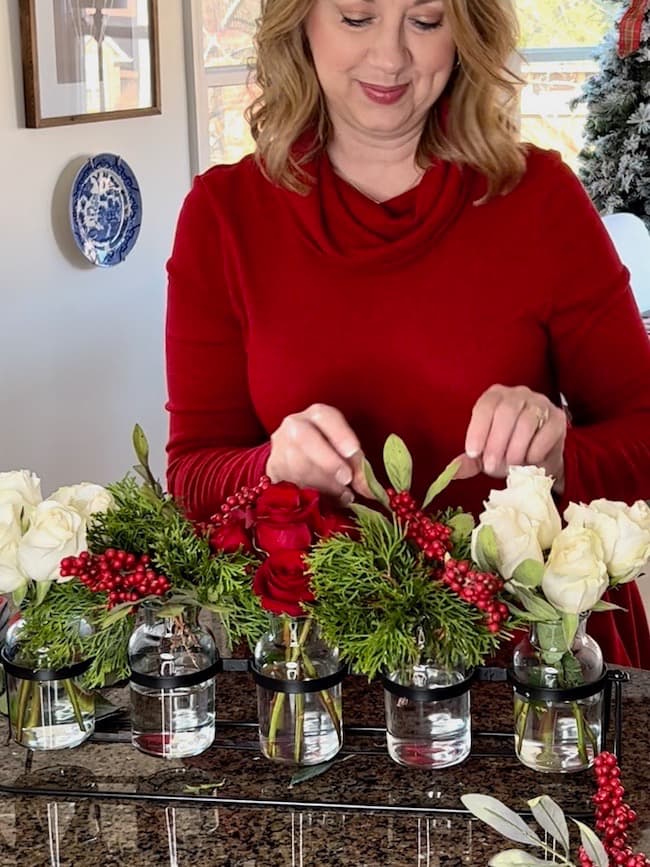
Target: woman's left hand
x: 514, y: 427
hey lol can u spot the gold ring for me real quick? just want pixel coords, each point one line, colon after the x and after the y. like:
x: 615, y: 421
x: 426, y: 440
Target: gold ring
x: 542, y: 417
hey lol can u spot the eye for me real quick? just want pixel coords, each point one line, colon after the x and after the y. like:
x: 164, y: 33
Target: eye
x: 355, y: 22
x: 426, y: 25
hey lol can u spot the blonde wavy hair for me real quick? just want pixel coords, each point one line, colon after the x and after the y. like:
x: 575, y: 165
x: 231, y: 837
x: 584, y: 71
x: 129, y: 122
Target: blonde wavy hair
x: 479, y: 129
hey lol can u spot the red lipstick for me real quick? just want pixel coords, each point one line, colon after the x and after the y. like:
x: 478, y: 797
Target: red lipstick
x: 383, y: 95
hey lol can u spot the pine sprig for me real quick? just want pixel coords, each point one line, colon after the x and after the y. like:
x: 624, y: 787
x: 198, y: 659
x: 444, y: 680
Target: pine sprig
x: 379, y: 604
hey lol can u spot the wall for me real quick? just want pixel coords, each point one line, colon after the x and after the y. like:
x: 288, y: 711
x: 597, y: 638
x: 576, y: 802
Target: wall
x: 81, y: 355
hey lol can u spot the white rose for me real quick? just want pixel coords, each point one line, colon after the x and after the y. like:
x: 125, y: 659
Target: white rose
x: 516, y: 538
x: 11, y: 576
x: 55, y: 532
x: 624, y: 531
x: 528, y: 490
x: 85, y: 498
x: 10, y: 528
x: 22, y: 489
x: 575, y: 576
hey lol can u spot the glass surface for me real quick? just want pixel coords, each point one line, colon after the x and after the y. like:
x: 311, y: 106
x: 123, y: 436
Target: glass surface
x: 179, y: 721
x: 557, y: 736
x: 228, y: 30
x: 303, y: 728
x: 428, y: 734
x: 229, y: 134
x: 51, y: 714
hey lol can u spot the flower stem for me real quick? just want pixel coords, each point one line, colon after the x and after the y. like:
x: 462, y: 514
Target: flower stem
x: 71, y: 690
x: 24, y: 690
x: 580, y: 728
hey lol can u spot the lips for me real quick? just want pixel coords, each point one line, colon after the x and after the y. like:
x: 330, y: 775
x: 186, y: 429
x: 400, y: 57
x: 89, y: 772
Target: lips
x: 383, y: 95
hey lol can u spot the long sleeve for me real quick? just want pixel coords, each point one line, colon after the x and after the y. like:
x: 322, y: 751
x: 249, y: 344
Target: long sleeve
x: 216, y: 443
x: 600, y: 352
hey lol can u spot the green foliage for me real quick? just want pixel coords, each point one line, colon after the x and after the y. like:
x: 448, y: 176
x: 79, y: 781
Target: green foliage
x: 379, y: 604
x: 68, y: 622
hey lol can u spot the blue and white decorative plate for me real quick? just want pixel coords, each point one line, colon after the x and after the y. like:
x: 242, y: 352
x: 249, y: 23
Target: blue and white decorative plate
x: 105, y: 210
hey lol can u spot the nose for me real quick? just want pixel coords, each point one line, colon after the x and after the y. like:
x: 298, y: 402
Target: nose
x: 389, y: 51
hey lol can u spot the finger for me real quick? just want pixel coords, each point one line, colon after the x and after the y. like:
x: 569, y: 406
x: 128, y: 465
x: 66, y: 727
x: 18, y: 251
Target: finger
x: 504, y: 422
x: 333, y: 426
x: 526, y: 429
x: 481, y: 421
x: 313, y: 458
x: 469, y: 467
x: 548, y: 439
x: 359, y: 483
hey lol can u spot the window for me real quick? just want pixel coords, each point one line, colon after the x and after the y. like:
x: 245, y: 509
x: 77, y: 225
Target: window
x: 559, y: 38
x: 221, y: 51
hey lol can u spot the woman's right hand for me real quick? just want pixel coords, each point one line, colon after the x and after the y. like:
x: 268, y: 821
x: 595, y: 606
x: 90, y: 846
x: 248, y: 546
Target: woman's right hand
x: 318, y: 449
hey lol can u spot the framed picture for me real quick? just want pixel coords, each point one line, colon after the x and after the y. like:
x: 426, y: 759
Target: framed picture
x: 88, y: 60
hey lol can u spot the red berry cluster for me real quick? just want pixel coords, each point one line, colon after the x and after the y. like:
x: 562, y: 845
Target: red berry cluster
x: 245, y: 497
x: 613, y: 816
x: 432, y: 537
x: 478, y: 588
x: 123, y: 576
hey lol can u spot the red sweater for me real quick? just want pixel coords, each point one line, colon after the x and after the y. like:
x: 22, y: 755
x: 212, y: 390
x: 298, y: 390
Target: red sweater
x: 401, y: 315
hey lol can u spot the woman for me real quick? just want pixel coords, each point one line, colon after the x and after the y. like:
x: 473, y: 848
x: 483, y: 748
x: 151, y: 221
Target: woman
x: 392, y: 259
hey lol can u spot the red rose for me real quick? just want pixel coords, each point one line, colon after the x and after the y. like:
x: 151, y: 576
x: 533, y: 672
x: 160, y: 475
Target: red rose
x: 286, y: 517
x: 336, y: 522
x: 282, y: 583
x: 230, y: 538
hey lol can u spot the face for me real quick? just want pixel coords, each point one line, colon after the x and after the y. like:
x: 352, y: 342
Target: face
x: 381, y: 64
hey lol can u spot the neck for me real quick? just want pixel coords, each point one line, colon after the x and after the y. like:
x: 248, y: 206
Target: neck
x: 380, y: 169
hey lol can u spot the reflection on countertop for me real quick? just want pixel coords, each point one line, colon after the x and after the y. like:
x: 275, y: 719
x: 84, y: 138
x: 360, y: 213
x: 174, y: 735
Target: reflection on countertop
x: 105, y: 803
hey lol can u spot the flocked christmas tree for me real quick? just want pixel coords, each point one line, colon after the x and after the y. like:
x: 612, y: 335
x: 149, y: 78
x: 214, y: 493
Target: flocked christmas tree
x: 615, y: 159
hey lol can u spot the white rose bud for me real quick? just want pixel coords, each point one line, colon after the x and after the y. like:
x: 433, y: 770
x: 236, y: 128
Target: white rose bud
x: 528, y: 490
x: 516, y: 538
x: 624, y: 531
x: 575, y: 576
x: 85, y: 498
x: 55, y: 532
x: 10, y: 528
x: 22, y: 489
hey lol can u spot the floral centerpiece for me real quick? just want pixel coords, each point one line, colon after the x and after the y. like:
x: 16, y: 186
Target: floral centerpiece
x: 556, y: 576
x: 613, y: 820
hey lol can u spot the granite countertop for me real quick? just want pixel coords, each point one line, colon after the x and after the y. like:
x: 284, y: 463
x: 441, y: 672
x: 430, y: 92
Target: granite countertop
x: 105, y: 803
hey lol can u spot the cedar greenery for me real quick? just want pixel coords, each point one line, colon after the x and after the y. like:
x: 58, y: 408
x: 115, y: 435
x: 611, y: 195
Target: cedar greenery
x: 379, y: 604
x: 144, y: 520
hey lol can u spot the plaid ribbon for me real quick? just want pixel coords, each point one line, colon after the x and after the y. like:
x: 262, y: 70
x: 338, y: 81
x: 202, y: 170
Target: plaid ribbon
x: 629, y: 30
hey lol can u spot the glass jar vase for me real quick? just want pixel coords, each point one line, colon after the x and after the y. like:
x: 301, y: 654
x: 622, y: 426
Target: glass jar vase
x: 428, y: 721
x: 298, y: 679
x: 558, y: 698
x: 48, y: 707
x: 174, y: 662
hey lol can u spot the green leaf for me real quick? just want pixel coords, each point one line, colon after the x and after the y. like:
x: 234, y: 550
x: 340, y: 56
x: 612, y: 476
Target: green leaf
x: 569, y: 627
x: 119, y: 612
x: 441, y: 482
x: 42, y: 588
x: 311, y: 771
x: 516, y: 858
x: 529, y: 573
x: 376, y: 488
x: 500, y: 817
x: 592, y: 845
x: 371, y: 515
x: 18, y: 596
x: 461, y: 525
x: 602, y: 605
x: 535, y: 605
x: 203, y: 787
x: 140, y: 445
x: 487, y: 550
x: 398, y: 463
x: 552, y: 819
x: 171, y: 611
